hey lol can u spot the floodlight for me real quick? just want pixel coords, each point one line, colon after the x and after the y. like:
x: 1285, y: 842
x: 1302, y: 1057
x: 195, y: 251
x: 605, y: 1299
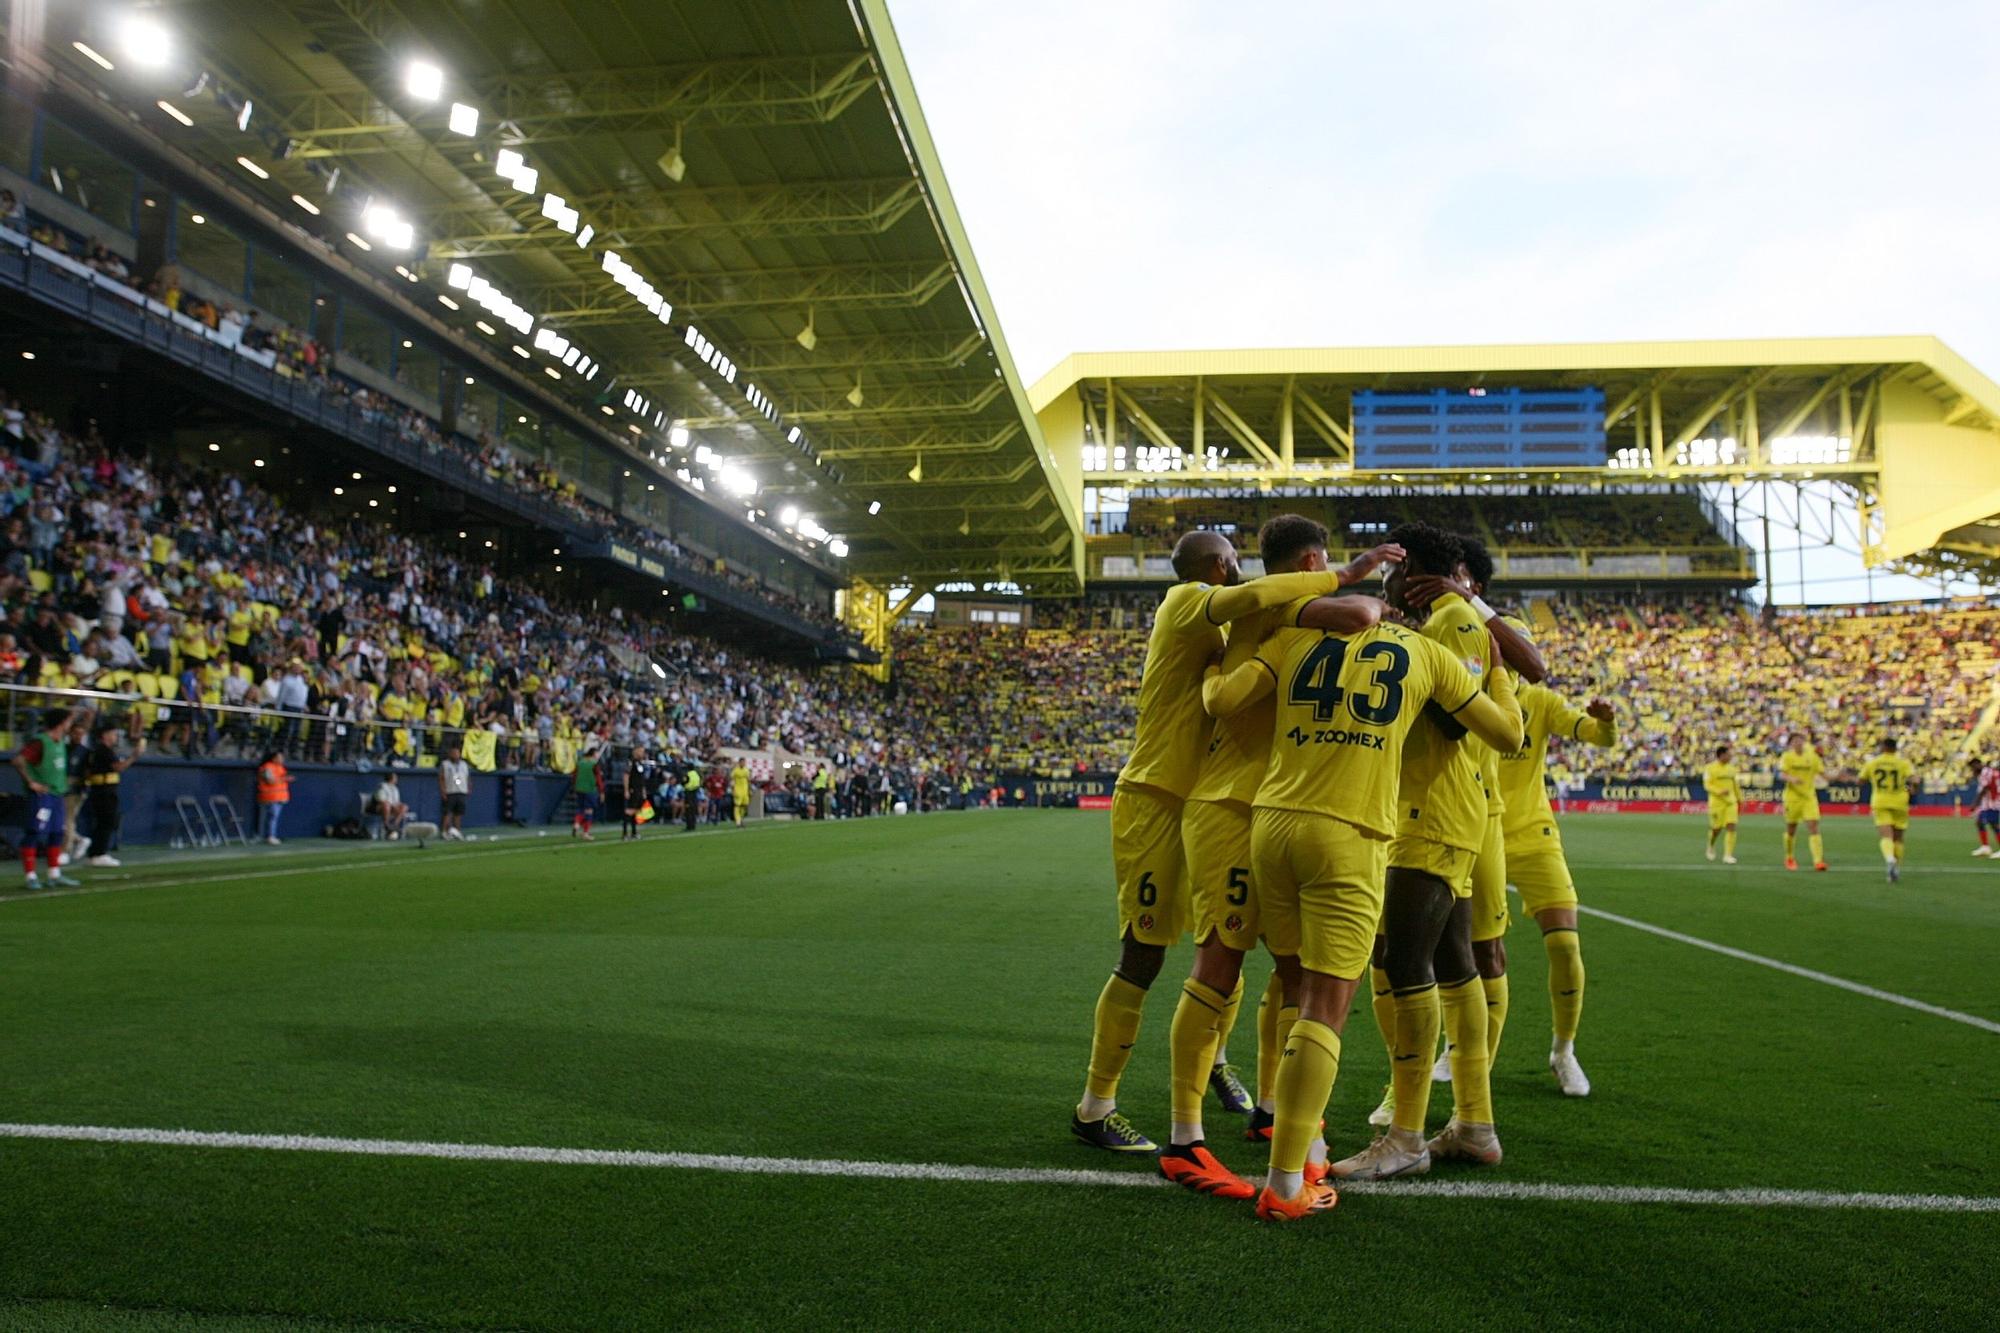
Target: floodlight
x: 464, y: 119
x: 423, y: 80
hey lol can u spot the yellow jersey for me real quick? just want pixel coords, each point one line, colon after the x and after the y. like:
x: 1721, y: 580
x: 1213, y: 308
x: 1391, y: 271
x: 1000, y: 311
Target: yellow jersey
x: 1544, y: 716
x: 1443, y: 796
x: 1173, y: 729
x: 1240, y: 746
x: 1800, y: 770
x: 1888, y: 779
x: 1343, y: 710
x: 1724, y: 786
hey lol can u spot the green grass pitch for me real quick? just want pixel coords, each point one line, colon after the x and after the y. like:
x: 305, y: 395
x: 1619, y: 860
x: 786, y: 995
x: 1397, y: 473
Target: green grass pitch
x: 919, y: 990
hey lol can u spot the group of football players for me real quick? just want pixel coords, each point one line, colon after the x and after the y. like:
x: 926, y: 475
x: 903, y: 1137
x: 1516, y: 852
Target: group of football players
x: 1354, y: 781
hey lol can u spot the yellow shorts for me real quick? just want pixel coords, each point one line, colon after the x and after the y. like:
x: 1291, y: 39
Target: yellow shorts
x: 1453, y: 865
x: 1489, y: 884
x: 1896, y: 819
x: 1537, y: 867
x: 1215, y: 837
x: 1319, y: 880
x: 1152, y: 873
x: 1721, y: 816
x: 1800, y: 809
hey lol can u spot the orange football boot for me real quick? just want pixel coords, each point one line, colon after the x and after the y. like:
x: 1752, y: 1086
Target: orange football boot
x: 1310, y: 1199
x: 1193, y: 1165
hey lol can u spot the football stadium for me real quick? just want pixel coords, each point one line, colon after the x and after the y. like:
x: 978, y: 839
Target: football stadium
x: 590, y: 750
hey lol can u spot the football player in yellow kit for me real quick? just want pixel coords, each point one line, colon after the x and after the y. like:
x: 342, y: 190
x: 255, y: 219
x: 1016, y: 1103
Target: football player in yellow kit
x: 1537, y: 867
x: 1215, y: 837
x: 1427, y: 977
x: 1331, y: 798
x: 1167, y: 748
x: 1489, y: 869
x: 1725, y: 788
x: 1888, y: 776
x: 1800, y: 767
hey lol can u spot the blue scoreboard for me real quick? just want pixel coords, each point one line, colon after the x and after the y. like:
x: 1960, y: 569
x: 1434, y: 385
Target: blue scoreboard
x: 1479, y: 428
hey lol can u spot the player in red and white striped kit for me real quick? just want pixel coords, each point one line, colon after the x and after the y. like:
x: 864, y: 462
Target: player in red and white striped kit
x: 1988, y: 816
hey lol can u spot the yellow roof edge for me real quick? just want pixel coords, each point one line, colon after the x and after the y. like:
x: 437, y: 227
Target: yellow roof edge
x: 880, y: 31
x: 1926, y: 349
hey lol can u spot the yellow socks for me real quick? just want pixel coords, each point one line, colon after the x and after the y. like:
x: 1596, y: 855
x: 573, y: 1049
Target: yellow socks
x: 1230, y: 1008
x: 1729, y: 843
x: 1385, y: 1009
x: 1305, y: 1081
x: 1464, y: 1009
x: 1269, y: 1049
x: 1197, y: 1024
x: 1818, y: 849
x: 1888, y: 846
x: 1565, y: 952
x: 1496, y: 1015
x: 1791, y: 842
x: 1119, y: 1009
x: 1416, y: 1027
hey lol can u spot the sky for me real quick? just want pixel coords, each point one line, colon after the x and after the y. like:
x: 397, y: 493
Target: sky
x: 1139, y: 174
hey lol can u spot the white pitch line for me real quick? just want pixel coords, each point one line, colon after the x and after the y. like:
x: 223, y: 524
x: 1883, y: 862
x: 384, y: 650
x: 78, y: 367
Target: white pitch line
x: 1502, y: 1191
x: 1824, y: 978
x: 386, y: 861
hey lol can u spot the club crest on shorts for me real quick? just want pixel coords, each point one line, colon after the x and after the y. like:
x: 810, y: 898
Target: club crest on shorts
x: 1234, y: 922
x: 1146, y: 921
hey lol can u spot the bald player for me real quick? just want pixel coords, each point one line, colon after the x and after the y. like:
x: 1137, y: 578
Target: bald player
x: 1215, y: 837
x: 1146, y: 806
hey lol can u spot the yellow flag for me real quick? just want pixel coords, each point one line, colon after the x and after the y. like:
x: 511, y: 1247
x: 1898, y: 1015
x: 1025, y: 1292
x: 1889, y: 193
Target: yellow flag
x: 562, y: 755
x: 479, y: 750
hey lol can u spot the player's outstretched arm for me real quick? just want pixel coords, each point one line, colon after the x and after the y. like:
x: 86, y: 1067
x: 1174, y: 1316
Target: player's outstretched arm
x: 1596, y: 725
x: 1495, y: 715
x: 1516, y: 649
x: 1226, y: 604
x: 1342, y: 615
x: 1361, y: 566
x: 1227, y: 693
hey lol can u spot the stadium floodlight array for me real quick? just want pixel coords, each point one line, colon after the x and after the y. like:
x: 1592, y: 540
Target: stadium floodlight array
x: 557, y: 210
x: 511, y: 167
x: 385, y: 224
x: 490, y: 298
x: 711, y: 355
x: 423, y: 80
x: 640, y: 290
x: 565, y: 351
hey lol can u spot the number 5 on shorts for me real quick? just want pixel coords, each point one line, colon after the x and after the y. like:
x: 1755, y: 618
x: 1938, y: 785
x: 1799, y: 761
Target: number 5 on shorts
x: 1239, y: 886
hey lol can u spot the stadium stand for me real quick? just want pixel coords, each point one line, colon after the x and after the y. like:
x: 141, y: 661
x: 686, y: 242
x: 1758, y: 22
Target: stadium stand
x: 1700, y: 672
x: 151, y: 579
x: 1686, y: 674
x: 296, y: 356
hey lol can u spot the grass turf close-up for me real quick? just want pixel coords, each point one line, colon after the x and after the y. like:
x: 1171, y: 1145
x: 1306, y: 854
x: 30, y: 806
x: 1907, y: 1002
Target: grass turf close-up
x: 740, y: 1028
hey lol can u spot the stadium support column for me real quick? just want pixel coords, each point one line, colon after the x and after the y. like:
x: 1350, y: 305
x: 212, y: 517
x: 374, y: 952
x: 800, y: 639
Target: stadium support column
x: 864, y: 608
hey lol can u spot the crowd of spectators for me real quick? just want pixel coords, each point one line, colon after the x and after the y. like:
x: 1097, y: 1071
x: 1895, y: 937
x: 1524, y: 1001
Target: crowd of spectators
x: 298, y: 356
x: 241, y: 624
x: 1692, y: 674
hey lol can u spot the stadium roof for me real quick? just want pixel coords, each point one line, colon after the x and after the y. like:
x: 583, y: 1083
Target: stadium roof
x: 765, y: 167
x: 1921, y: 426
